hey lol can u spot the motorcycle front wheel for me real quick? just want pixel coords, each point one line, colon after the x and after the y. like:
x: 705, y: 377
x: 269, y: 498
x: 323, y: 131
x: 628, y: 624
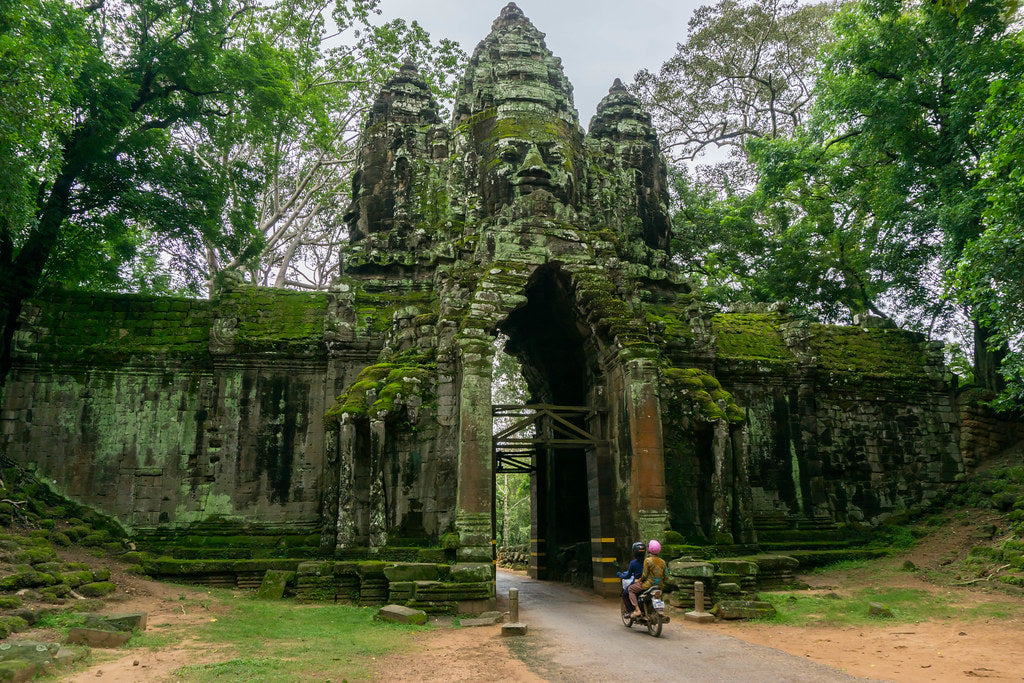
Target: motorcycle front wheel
x: 626, y: 619
x: 654, y: 622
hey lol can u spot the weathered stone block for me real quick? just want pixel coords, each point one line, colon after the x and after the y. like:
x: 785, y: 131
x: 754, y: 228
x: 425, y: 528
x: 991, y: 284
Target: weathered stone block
x: 517, y: 629
x: 691, y: 570
x: 485, y: 619
x: 132, y: 621
x: 472, y: 572
x: 94, y: 637
x: 22, y: 660
x: 877, y: 609
x: 274, y: 583
x: 741, y: 567
x: 411, y: 571
x: 401, y: 615
x: 743, y: 609
x: 97, y: 589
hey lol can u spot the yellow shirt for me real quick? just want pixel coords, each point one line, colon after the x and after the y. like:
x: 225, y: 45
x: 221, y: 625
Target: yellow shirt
x: 654, y: 572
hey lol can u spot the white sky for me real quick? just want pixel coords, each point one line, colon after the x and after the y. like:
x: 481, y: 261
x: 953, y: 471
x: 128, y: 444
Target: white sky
x: 598, y: 40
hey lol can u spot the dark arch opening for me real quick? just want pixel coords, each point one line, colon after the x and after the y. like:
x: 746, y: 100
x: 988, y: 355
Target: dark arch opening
x: 559, y: 361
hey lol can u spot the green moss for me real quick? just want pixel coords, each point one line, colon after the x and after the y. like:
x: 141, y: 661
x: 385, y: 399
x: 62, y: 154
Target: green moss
x: 393, y: 381
x: 98, y: 328
x: 699, y: 393
x: 274, y: 319
x: 874, y: 352
x: 753, y: 336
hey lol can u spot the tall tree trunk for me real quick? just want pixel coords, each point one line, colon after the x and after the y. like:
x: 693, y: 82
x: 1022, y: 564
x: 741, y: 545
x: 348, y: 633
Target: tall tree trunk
x: 988, y: 358
x: 21, y: 275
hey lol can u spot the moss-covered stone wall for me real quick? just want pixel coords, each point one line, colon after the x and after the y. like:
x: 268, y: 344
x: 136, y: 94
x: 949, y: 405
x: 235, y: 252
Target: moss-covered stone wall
x: 844, y: 423
x: 178, y: 416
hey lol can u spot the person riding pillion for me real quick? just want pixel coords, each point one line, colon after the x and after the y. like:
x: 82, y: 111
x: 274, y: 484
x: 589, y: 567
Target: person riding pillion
x: 653, y: 575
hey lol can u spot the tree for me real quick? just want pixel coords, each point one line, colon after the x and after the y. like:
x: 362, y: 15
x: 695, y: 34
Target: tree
x: 116, y: 77
x: 901, y: 90
x: 745, y: 71
x: 283, y: 174
x: 990, y: 274
x: 119, y: 129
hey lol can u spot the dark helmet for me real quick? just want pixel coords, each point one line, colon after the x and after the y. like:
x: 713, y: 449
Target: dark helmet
x: 639, y: 548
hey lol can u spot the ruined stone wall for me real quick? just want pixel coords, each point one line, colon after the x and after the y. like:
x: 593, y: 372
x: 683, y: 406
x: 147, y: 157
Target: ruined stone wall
x: 847, y: 424
x: 180, y: 416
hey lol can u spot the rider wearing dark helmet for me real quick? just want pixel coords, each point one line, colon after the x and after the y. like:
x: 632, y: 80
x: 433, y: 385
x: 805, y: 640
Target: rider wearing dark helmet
x: 636, y: 566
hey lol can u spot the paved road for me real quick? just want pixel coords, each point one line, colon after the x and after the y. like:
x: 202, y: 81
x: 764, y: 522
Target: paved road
x: 574, y: 635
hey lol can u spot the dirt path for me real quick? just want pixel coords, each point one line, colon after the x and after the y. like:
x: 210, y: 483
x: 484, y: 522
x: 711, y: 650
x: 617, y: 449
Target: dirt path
x: 942, y: 650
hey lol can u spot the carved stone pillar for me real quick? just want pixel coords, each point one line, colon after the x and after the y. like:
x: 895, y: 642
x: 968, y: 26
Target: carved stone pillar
x: 473, y: 517
x: 643, y: 408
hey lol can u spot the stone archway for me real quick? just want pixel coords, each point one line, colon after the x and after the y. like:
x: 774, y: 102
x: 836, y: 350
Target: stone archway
x: 589, y: 502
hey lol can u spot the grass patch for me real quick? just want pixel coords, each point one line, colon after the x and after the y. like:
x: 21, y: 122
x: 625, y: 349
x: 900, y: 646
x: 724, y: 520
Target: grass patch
x: 843, y: 566
x: 279, y: 640
x: 61, y: 622
x: 150, y: 640
x: 908, y: 605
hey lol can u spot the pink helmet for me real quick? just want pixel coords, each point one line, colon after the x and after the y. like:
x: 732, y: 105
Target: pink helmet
x: 653, y: 547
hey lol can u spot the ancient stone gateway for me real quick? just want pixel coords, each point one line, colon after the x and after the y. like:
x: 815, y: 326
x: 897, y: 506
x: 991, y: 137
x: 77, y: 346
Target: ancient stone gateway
x: 357, y: 423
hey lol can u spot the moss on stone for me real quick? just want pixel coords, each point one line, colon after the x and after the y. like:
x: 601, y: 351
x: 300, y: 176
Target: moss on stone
x: 752, y: 336
x: 389, y: 383
x: 701, y: 394
x: 879, y: 352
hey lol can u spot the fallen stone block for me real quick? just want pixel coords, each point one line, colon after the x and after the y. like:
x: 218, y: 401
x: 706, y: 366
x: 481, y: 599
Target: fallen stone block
x: 877, y: 609
x: 401, y: 615
x: 274, y: 583
x: 97, y: 589
x: 94, y: 637
x: 22, y: 660
x: 743, y: 609
x: 133, y: 621
x: 517, y: 629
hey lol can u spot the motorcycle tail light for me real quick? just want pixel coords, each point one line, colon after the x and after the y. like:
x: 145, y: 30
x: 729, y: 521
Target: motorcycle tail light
x: 656, y: 594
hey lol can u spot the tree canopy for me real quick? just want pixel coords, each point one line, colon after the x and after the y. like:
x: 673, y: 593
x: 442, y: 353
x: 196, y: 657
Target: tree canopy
x: 892, y: 193
x: 145, y: 144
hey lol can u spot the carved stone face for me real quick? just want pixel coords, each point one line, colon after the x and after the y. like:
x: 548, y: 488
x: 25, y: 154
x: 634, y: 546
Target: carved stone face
x: 521, y: 155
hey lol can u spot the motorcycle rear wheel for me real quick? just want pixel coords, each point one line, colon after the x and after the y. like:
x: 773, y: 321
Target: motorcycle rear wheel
x: 654, y: 622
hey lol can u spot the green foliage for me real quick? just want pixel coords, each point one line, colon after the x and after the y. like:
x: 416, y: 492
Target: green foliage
x: 990, y: 276
x: 273, y: 640
x: 898, y: 100
x: 745, y: 70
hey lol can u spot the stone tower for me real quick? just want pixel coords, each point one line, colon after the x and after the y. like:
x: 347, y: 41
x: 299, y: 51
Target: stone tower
x: 514, y: 220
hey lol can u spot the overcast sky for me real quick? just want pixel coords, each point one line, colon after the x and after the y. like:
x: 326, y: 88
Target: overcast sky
x: 598, y: 40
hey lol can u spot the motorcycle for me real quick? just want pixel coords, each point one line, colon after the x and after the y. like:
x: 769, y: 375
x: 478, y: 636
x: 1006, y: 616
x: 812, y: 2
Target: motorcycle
x: 652, y: 610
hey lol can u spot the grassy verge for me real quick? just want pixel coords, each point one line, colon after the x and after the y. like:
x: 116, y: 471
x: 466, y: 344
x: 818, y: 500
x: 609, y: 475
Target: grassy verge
x: 908, y: 605
x: 282, y: 641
